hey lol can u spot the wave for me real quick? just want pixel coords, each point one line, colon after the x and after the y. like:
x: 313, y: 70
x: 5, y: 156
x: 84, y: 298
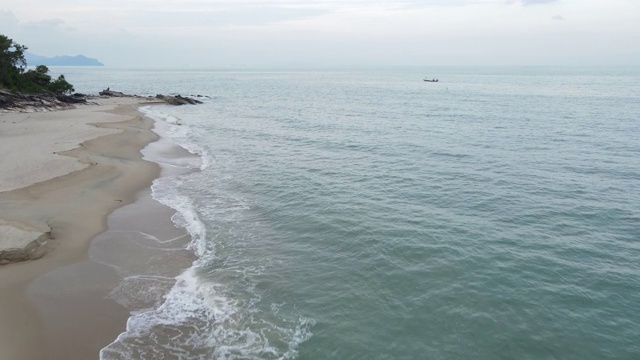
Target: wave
x: 178, y: 133
x: 196, y: 318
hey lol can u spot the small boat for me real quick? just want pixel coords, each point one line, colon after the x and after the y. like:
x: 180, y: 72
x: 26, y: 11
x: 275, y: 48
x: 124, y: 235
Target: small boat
x: 432, y: 80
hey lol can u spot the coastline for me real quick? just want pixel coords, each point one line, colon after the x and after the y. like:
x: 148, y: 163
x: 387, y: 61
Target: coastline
x: 68, y: 170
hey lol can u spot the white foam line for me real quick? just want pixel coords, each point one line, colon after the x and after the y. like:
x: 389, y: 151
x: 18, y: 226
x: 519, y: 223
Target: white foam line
x: 151, y: 277
x: 149, y: 236
x: 177, y: 130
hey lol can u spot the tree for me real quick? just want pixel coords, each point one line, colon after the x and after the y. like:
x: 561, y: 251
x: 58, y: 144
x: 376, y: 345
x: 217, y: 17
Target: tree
x: 12, y: 62
x: 35, y: 80
x: 61, y: 86
x: 14, y: 77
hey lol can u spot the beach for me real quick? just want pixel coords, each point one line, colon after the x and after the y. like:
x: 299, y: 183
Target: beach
x: 66, y: 171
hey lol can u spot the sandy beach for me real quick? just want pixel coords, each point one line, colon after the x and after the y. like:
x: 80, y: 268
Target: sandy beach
x: 67, y: 171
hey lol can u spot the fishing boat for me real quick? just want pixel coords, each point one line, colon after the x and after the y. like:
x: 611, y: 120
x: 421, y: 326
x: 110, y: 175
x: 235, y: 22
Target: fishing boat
x: 432, y: 80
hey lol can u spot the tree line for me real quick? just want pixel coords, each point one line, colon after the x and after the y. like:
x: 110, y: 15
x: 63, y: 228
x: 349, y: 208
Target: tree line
x: 14, y: 75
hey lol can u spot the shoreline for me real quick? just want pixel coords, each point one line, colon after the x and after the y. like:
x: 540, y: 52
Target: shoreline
x: 98, y: 168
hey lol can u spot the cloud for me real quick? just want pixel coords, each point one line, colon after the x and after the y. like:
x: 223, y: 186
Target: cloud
x: 530, y: 2
x: 535, y: 2
x: 8, y: 20
x: 326, y: 32
x: 45, y: 37
x: 10, y: 23
x: 237, y: 16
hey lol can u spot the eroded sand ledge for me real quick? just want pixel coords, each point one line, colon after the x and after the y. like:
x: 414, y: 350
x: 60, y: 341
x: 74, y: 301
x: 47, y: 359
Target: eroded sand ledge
x: 19, y: 242
x: 61, y: 174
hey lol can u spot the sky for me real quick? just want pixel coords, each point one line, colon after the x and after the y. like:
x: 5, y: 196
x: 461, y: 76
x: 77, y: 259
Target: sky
x: 329, y: 33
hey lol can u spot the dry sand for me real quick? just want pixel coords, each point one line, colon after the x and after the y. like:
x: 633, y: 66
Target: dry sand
x: 67, y: 170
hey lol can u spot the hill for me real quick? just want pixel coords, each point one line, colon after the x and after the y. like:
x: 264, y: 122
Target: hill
x: 65, y: 60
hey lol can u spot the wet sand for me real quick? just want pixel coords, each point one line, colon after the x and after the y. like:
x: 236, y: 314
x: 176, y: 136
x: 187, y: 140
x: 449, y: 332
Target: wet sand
x: 69, y: 170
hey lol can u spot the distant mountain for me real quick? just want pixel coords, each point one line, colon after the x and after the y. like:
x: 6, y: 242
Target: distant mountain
x: 65, y: 60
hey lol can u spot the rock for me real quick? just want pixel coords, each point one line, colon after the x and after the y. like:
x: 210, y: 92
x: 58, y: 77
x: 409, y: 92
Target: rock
x: 37, y: 102
x: 19, y: 242
x: 48, y: 101
x: 112, y: 93
x: 178, y: 100
x: 71, y: 99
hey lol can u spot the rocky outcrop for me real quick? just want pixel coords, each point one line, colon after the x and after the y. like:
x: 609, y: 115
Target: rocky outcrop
x: 111, y: 93
x: 10, y: 101
x: 20, y: 243
x: 178, y: 100
x: 169, y: 99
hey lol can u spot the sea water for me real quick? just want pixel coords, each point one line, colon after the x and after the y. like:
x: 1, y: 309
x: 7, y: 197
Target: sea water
x: 367, y: 214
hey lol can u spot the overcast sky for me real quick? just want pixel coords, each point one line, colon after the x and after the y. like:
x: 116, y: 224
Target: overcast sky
x: 264, y: 33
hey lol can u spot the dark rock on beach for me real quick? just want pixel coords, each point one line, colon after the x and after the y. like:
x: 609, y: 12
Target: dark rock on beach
x: 169, y: 99
x: 14, y: 101
x: 72, y: 99
x: 38, y: 102
x: 178, y: 100
x: 111, y: 93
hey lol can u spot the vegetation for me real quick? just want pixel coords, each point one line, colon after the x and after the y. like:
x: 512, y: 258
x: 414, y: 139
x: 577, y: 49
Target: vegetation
x: 14, y: 75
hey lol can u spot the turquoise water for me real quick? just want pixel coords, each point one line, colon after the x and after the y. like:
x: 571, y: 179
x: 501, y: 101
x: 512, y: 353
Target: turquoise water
x: 370, y: 215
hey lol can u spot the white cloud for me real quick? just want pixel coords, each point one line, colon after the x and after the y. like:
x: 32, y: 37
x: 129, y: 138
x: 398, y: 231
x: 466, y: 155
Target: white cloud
x: 8, y: 20
x: 535, y: 2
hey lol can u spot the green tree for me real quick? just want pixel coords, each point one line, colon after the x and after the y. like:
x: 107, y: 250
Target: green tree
x: 33, y: 81
x: 61, y: 86
x: 12, y: 62
x: 14, y: 77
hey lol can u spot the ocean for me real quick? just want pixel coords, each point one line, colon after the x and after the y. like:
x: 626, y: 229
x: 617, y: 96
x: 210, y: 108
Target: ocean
x: 367, y: 214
